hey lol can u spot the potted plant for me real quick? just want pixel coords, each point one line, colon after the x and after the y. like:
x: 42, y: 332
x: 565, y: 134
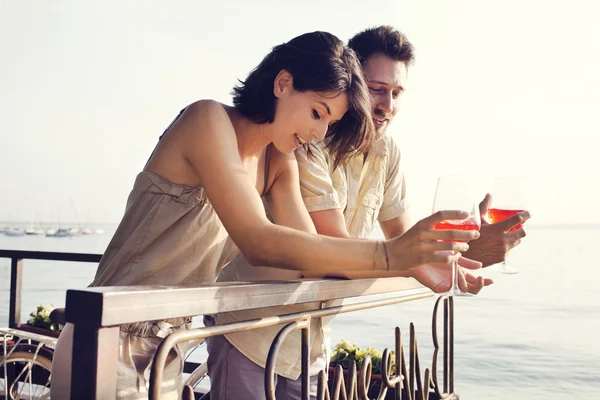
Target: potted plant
x: 39, y: 322
x: 346, y: 352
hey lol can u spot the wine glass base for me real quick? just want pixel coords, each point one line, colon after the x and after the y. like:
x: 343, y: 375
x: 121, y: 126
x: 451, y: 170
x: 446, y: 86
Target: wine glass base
x: 509, y: 270
x: 456, y: 293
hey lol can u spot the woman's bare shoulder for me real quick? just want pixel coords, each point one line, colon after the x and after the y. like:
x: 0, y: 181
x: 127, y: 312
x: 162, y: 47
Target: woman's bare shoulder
x: 202, y: 130
x: 205, y: 105
x: 205, y: 121
x: 209, y: 111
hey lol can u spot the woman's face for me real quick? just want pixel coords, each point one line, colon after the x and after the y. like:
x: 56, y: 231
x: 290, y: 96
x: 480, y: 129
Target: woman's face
x: 302, y: 117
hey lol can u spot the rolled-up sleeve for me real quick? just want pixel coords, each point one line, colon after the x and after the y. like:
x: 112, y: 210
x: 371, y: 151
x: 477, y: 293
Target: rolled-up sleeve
x: 316, y: 184
x: 394, y: 196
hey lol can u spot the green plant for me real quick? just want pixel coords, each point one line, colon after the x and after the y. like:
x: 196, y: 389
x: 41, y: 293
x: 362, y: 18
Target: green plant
x: 345, y: 352
x: 41, y: 318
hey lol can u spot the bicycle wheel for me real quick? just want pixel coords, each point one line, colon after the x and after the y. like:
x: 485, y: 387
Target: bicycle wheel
x: 25, y: 373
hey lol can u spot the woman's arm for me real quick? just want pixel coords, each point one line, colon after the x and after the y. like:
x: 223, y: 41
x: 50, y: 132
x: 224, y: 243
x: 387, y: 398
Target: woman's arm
x: 209, y: 144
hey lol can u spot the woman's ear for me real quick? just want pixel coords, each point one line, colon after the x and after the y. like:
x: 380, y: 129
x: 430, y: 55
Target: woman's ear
x: 283, y: 84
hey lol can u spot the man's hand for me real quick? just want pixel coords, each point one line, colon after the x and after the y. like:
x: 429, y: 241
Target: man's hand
x: 438, y: 277
x: 496, y: 241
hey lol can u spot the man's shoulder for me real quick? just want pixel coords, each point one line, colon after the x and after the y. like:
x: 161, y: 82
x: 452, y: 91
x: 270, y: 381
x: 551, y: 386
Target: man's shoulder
x: 314, y: 150
x: 390, y: 142
x: 391, y: 146
x: 320, y: 146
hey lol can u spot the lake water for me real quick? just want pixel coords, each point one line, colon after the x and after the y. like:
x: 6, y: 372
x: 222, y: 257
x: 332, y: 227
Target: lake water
x: 529, y: 336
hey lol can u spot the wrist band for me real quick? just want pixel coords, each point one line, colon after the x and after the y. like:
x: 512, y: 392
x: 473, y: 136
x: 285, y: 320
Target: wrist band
x: 375, y: 255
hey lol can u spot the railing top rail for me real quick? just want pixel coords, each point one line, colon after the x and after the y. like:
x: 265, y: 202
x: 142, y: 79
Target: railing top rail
x: 110, y: 306
x: 50, y: 255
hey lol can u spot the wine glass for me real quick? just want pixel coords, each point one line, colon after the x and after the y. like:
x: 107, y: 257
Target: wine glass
x: 455, y: 192
x: 508, y: 199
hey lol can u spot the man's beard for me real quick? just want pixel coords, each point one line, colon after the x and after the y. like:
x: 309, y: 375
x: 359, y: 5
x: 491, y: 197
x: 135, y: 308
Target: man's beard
x: 380, y: 130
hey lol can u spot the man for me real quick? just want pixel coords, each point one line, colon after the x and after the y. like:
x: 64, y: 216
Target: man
x: 347, y: 201
x: 236, y: 361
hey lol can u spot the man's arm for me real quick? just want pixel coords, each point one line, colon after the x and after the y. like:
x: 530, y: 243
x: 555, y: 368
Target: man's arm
x: 330, y: 223
x: 396, y: 226
x: 284, y: 199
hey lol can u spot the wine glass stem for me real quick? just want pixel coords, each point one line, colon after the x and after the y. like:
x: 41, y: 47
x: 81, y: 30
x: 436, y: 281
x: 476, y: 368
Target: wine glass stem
x: 454, y: 276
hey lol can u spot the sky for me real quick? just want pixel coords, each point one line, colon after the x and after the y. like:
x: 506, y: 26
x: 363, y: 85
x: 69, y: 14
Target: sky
x: 498, y: 88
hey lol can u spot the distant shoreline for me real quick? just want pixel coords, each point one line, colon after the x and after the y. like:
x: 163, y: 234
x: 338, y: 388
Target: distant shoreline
x: 23, y: 224
x: 564, y: 226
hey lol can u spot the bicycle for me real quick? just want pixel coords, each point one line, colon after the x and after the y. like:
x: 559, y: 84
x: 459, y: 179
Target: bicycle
x: 26, y: 364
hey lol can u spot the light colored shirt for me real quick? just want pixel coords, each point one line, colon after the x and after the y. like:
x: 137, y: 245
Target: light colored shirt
x: 365, y: 190
x: 255, y: 343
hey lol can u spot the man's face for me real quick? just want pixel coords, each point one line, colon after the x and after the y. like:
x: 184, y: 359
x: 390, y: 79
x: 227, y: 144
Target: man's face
x: 386, y: 78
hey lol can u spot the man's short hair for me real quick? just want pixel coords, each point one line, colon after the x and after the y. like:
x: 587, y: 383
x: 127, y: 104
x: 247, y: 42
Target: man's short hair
x: 382, y: 39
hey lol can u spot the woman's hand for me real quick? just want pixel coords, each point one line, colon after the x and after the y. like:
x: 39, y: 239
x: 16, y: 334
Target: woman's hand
x: 422, y: 244
x: 438, y: 277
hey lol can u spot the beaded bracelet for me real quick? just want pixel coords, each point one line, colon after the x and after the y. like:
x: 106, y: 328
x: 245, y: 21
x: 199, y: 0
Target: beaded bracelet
x: 387, y: 260
x: 375, y: 255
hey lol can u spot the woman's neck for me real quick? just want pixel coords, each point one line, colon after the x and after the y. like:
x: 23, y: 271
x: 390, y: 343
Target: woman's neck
x: 252, y: 137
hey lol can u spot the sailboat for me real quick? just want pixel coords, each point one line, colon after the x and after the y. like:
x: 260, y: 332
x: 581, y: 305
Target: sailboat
x: 11, y: 230
x: 33, y: 231
x: 86, y: 230
x: 60, y: 232
x: 14, y: 232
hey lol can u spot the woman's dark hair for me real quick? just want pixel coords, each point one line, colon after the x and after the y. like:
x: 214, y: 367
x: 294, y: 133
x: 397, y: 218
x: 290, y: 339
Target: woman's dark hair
x: 319, y: 62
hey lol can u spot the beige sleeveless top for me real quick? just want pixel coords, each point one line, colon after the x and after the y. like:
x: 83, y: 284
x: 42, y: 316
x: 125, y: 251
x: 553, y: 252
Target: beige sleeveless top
x: 170, y: 235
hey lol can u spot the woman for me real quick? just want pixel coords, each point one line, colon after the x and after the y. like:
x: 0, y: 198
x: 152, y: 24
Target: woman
x: 197, y: 203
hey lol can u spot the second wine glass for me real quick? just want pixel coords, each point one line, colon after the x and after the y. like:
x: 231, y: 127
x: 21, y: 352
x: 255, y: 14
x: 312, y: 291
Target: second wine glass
x: 508, y: 199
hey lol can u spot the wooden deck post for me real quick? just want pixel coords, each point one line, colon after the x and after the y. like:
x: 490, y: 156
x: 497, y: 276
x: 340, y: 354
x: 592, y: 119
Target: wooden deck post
x: 16, y: 284
x: 94, y: 365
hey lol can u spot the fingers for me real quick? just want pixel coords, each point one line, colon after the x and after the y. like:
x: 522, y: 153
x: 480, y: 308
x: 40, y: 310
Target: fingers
x: 515, y: 220
x: 464, y: 286
x: 470, y: 283
x: 443, y: 257
x: 477, y: 286
x: 473, y: 287
x: 473, y: 279
x: 512, y: 245
x: 431, y: 247
x: 468, y: 263
x: 450, y: 234
x: 516, y: 235
x: 484, y: 205
x: 444, y: 215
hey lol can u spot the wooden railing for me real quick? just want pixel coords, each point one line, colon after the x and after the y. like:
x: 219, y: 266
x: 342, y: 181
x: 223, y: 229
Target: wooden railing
x: 16, y: 274
x: 97, y: 313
